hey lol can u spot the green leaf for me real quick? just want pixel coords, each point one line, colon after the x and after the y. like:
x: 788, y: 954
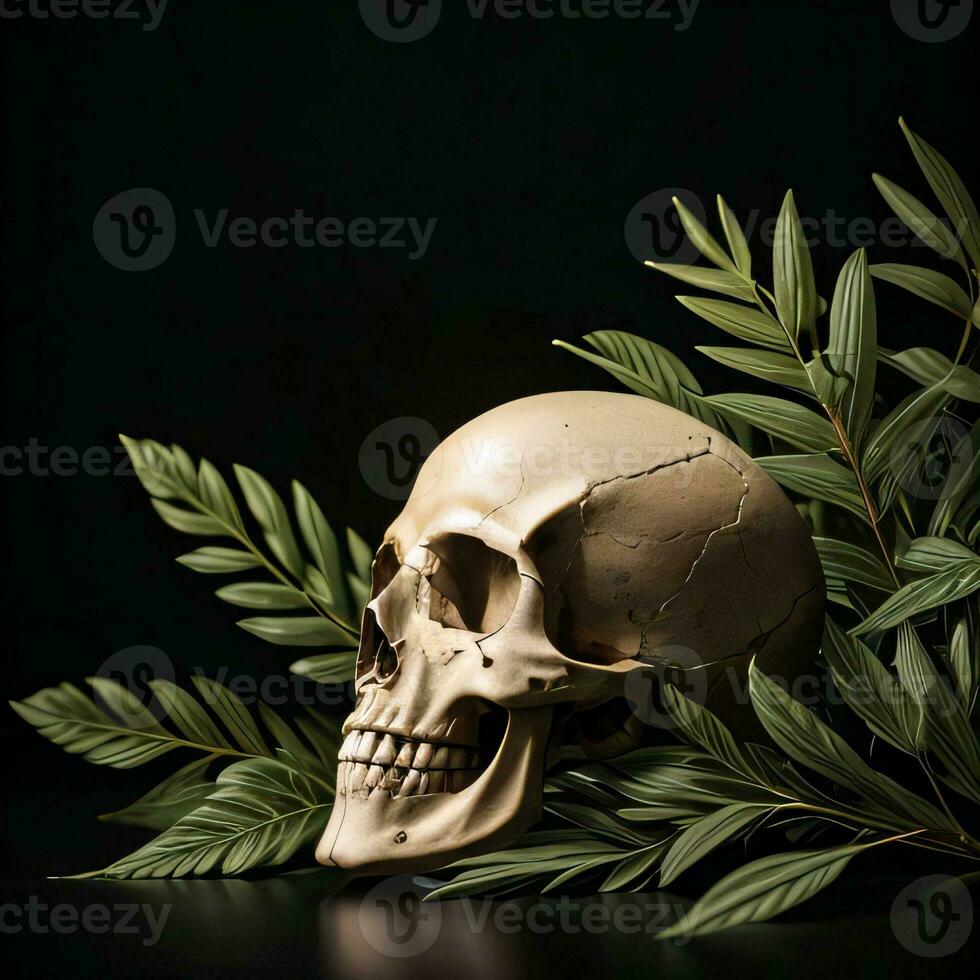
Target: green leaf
x: 125, y: 738
x: 647, y: 369
x: 261, y: 813
x: 361, y: 555
x: 965, y: 663
x: 263, y: 595
x: 269, y: 511
x: 932, y: 554
x: 957, y: 504
x: 327, y: 668
x: 955, y: 582
x: 706, y: 834
x: 870, y: 691
x: 929, y: 367
x: 929, y: 285
x: 767, y: 365
x: 216, y: 496
x: 360, y: 590
x: 735, y: 237
x: 896, y: 439
x: 718, y: 281
x: 183, y: 467
x: 188, y: 521
x: 843, y: 560
x: 702, y: 240
x: 793, y: 423
x: 803, y: 737
x: 175, y: 797
x: 950, y: 190
x: 297, y: 631
x: 817, y: 476
x: 321, y: 541
x: 762, y: 889
x: 214, y: 560
x: 920, y: 220
x: 629, y: 869
x: 233, y: 715
x: 852, y: 347
x: 153, y: 466
x: 948, y: 735
x: 701, y: 727
x: 795, y: 289
x: 189, y: 717
x: 740, y: 321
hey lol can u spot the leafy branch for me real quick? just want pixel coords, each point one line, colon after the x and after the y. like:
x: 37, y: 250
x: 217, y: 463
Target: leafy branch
x: 329, y: 588
x: 685, y: 803
x: 265, y: 804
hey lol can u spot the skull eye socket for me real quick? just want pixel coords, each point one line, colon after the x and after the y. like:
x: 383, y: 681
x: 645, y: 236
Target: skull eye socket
x: 474, y: 587
x: 386, y: 662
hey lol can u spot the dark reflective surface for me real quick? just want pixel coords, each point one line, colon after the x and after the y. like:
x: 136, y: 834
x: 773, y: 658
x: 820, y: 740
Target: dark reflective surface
x: 319, y: 924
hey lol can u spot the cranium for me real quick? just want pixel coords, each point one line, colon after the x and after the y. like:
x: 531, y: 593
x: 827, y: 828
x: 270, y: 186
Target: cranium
x: 550, y: 548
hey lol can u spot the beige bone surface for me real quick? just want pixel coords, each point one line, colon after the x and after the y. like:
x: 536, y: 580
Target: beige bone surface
x: 549, y: 548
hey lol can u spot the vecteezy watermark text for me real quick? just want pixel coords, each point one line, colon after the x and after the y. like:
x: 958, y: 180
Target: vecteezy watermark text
x: 149, y: 12
x: 136, y: 230
x: 307, y: 232
x: 120, y: 919
x: 36, y: 459
x: 402, y: 21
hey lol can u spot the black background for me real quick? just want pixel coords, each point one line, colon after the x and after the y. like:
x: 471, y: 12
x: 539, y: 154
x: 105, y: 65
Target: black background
x: 529, y: 140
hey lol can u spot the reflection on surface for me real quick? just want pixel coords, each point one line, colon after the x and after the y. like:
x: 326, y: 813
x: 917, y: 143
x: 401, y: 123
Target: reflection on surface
x: 320, y: 923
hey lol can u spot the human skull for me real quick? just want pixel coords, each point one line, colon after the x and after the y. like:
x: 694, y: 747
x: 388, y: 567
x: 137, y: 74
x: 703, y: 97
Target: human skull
x: 550, y: 548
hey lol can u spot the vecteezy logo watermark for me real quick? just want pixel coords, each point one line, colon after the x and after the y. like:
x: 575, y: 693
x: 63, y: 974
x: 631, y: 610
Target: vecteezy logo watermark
x: 932, y: 21
x: 125, y: 918
x: 933, y: 916
x: 393, y: 453
x: 676, y: 665
x: 932, y: 457
x: 401, y: 21
x: 653, y: 229
x: 395, y: 922
x: 149, y: 12
x: 130, y: 697
x: 136, y: 230
x: 411, y: 20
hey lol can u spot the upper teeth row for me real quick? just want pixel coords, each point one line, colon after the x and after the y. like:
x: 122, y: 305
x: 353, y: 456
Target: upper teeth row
x: 383, y: 749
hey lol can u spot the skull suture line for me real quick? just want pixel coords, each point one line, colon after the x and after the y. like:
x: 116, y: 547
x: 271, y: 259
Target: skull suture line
x: 549, y: 548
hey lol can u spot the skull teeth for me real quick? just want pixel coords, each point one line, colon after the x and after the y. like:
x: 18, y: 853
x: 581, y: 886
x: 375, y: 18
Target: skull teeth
x: 372, y: 761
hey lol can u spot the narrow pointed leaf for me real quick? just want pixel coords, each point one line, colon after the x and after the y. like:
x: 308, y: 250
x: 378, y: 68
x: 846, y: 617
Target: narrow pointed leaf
x: 817, y: 476
x: 920, y: 220
x: 216, y: 560
x: 950, y: 190
x: 297, y: 631
x: 793, y: 423
x: 852, y: 348
x: 269, y: 511
x: 740, y: 321
x: 702, y: 240
x: 768, y: 365
x: 795, y: 289
x: 716, y: 280
x: 929, y: 285
x: 735, y: 237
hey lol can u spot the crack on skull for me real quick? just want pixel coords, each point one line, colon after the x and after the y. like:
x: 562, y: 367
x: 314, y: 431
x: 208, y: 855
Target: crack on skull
x: 516, y: 496
x: 708, y: 540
